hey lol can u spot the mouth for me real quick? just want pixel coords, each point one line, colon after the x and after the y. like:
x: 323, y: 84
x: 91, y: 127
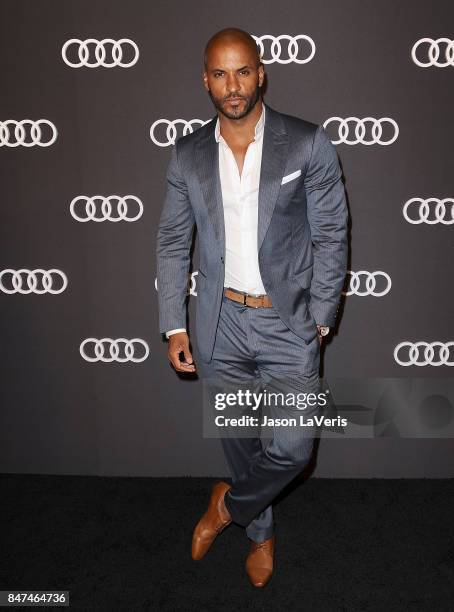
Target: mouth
x: 234, y: 100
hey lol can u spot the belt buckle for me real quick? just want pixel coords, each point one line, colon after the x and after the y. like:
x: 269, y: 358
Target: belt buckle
x: 245, y: 303
x: 256, y: 297
x: 245, y: 296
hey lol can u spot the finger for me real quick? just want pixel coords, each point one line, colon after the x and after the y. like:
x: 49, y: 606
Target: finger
x: 181, y: 366
x: 187, y: 355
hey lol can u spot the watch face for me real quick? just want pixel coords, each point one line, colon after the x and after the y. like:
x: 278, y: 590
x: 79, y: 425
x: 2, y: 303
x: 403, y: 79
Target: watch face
x: 324, y: 331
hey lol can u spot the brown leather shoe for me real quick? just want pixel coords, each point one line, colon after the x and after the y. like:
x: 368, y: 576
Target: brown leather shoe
x: 259, y: 562
x: 215, y: 520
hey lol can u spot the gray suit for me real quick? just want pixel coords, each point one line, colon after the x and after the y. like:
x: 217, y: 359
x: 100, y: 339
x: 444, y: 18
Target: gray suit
x: 302, y: 229
x: 302, y: 255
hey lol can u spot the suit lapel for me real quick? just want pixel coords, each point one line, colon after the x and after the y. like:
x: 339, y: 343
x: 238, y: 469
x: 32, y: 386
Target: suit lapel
x: 274, y: 159
x: 207, y: 168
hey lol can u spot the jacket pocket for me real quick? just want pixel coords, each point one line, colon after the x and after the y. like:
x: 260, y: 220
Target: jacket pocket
x: 290, y: 177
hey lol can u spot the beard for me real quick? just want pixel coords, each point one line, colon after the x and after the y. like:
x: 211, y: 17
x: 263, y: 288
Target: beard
x: 251, y: 101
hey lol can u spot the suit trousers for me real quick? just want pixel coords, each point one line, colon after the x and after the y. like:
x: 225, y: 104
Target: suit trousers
x: 254, y: 345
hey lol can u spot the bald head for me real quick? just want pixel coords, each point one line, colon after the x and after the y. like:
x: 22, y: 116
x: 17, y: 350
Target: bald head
x: 229, y: 37
x: 234, y: 74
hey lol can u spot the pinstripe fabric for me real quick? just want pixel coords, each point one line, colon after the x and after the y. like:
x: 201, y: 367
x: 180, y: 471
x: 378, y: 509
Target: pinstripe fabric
x: 301, y: 234
x: 302, y: 255
x: 256, y: 350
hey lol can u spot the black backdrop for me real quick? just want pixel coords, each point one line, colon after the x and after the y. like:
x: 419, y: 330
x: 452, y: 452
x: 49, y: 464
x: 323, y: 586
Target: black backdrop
x: 62, y: 413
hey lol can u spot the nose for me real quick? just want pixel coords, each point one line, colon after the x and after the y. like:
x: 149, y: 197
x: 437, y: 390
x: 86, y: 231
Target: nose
x: 233, y: 83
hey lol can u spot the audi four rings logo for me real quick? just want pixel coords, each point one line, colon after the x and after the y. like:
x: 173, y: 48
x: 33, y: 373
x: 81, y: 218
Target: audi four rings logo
x: 374, y: 135
x: 430, y: 211
x: 431, y: 50
x: 191, y: 284
x: 370, y: 283
x: 19, y: 136
x: 96, y: 350
x: 292, y: 48
x: 424, y: 353
x: 122, y: 208
x: 27, y: 281
x: 170, y: 134
x: 118, y: 47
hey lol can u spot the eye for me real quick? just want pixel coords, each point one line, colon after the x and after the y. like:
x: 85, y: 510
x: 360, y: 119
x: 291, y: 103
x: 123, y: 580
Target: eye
x: 216, y: 74
x: 245, y: 72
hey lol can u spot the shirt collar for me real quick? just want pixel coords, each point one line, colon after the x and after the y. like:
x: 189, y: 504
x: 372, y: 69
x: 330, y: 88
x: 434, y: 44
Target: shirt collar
x: 259, y: 126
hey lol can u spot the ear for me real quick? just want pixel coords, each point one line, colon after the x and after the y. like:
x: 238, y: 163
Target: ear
x: 205, y: 81
x: 261, y: 75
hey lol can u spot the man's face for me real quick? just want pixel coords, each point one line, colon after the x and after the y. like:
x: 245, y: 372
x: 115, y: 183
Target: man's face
x: 233, y: 78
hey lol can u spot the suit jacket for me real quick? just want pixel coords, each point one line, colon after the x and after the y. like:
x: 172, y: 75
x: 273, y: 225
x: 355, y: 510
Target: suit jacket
x: 301, y: 235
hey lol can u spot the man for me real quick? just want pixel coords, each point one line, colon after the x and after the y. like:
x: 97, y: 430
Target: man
x: 265, y: 192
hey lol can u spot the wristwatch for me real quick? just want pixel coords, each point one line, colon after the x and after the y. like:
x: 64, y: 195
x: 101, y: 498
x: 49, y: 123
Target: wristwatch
x: 323, y: 330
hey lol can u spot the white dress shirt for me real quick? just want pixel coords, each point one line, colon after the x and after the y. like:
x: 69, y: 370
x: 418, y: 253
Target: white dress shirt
x: 240, y: 203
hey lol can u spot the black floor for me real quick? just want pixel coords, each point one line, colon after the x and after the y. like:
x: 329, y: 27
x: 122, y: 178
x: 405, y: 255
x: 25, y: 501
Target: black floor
x: 124, y: 544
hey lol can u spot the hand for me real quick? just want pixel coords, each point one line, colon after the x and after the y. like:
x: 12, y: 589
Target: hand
x: 319, y: 335
x: 179, y: 343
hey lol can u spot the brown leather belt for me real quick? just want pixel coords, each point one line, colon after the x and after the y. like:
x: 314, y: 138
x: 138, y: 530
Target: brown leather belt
x: 254, y: 301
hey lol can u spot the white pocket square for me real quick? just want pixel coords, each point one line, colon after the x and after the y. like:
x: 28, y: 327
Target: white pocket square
x: 290, y: 177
